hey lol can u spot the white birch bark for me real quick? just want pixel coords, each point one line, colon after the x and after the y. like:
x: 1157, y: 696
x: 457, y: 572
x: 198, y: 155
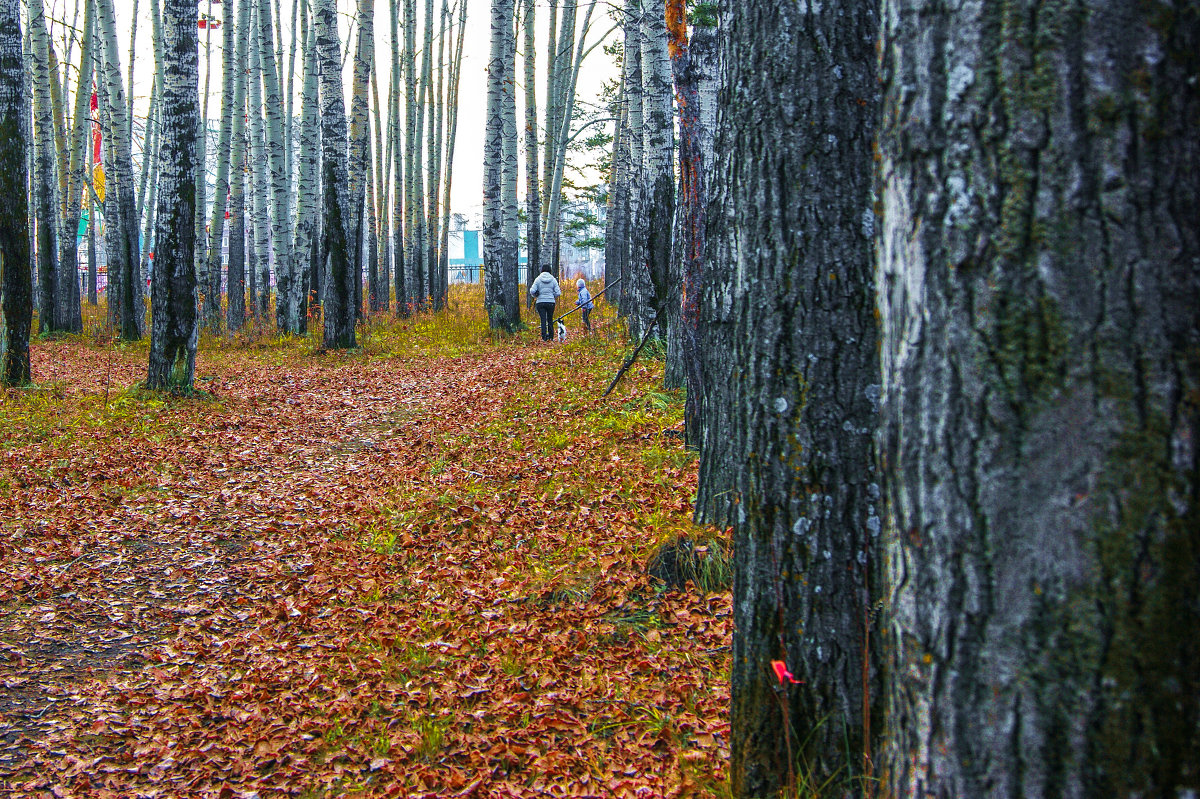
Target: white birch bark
x: 128, y: 308
x: 16, y: 278
x: 499, y: 274
x: 412, y: 157
x: 451, y: 134
x: 175, y: 326
x: 336, y: 243
x: 259, y: 221
x: 433, y: 173
x: 658, y: 183
x: 73, y: 180
x: 230, y: 100
x: 382, y: 171
x: 399, y: 169
x: 360, y: 135
x: 510, y: 220
x: 235, y: 290
x: 561, y: 137
x: 533, y: 193
x: 287, y: 305
x: 44, y: 181
x: 309, y: 150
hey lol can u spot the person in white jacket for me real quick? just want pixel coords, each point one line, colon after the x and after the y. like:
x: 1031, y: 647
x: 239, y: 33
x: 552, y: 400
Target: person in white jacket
x: 544, y: 291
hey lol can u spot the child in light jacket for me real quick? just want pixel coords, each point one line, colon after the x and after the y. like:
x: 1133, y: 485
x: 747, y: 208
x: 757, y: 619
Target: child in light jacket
x: 585, y: 302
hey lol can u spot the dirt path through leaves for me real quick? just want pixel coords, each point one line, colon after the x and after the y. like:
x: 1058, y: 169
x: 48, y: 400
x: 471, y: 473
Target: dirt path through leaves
x: 350, y: 575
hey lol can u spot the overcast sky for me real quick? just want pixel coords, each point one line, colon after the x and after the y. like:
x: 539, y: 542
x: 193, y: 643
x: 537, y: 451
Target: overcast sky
x: 468, y: 164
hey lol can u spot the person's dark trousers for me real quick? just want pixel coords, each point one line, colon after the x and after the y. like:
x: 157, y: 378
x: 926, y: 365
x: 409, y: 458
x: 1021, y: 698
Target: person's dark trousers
x: 546, y: 311
x: 587, y: 323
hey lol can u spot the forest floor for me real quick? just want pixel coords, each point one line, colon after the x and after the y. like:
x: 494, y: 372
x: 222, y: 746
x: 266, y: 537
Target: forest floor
x: 418, y: 568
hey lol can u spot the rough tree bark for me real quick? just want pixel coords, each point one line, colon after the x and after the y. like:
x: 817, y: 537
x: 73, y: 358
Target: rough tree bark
x: 175, y: 326
x: 799, y: 388
x: 336, y: 244
x: 16, y: 287
x: 1039, y: 283
x: 692, y: 215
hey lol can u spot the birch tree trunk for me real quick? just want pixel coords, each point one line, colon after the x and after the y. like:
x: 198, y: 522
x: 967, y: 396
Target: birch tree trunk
x: 201, y: 164
x: 232, y: 44
x: 564, y: 112
x: 616, y: 222
x: 632, y: 291
x: 73, y: 181
x: 307, y: 244
x: 174, y: 297
x: 412, y: 156
x: 16, y: 287
x: 533, y: 194
x: 800, y: 387
x: 337, y: 229
x: 260, y: 228
x: 126, y: 304
x: 381, y: 288
x: 452, y: 130
x: 235, y: 288
x: 360, y: 139
x: 287, y: 303
x: 499, y: 275
x: 658, y: 182
x: 1039, y: 301
x: 399, y: 169
x: 45, y: 194
x: 691, y: 218
x: 434, y: 172
x: 510, y: 215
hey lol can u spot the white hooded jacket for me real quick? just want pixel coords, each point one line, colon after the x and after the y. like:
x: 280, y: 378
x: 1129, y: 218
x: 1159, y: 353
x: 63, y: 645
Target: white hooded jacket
x: 545, y: 288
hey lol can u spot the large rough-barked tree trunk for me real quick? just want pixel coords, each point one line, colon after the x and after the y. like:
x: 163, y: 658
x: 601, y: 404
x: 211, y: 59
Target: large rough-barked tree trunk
x: 16, y: 288
x: 126, y: 305
x: 174, y: 298
x: 799, y: 389
x: 499, y: 276
x: 691, y: 220
x: 336, y: 247
x: 1040, y: 307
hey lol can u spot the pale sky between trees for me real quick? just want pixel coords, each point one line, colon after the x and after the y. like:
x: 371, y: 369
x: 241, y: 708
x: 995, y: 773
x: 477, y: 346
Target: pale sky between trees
x: 466, y: 192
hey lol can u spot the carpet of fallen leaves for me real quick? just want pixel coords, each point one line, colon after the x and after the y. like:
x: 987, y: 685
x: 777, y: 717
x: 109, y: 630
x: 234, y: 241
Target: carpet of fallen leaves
x: 414, y: 569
